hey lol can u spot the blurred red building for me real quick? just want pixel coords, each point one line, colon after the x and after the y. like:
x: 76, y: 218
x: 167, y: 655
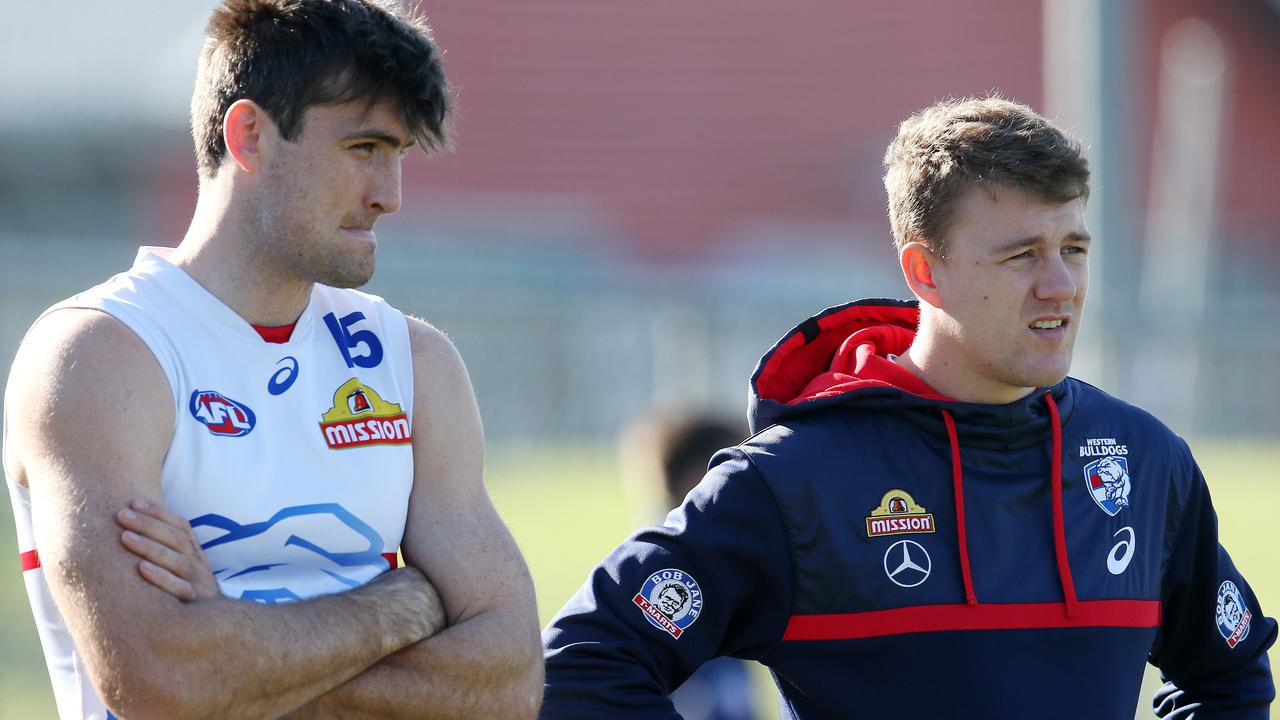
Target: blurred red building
x: 677, y: 126
x: 680, y: 122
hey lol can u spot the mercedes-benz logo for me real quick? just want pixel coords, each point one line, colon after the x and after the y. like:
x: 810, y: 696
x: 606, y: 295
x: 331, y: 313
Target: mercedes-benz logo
x: 907, y: 563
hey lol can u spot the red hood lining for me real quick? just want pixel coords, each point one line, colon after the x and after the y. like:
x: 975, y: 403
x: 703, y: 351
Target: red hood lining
x: 846, y: 351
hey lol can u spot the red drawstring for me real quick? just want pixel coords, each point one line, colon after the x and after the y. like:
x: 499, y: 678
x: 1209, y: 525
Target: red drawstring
x: 1059, y: 532
x: 963, y: 541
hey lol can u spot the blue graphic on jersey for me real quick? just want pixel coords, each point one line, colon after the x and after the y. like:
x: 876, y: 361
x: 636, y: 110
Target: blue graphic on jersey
x: 370, y: 557
x: 283, y: 378
x: 348, y: 341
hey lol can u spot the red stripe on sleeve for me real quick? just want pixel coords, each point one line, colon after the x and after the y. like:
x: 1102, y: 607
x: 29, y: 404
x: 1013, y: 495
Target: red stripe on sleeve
x: 940, y: 618
x: 29, y: 559
x: 393, y: 560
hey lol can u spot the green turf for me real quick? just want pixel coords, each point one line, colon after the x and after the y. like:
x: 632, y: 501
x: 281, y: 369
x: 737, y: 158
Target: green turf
x: 567, y: 509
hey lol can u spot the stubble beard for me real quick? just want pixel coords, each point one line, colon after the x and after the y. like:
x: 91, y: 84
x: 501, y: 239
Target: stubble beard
x: 303, y: 252
x: 1030, y: 376
x: 341, y: 272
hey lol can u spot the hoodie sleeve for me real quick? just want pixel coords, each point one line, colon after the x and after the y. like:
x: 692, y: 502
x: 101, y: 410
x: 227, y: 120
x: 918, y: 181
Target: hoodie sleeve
x: 715, y: 579
x: 1212, y: 645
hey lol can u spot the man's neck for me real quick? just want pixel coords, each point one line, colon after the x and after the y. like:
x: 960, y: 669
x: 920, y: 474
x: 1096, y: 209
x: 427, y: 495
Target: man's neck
x: 935, y: 362
x: 226, y: 257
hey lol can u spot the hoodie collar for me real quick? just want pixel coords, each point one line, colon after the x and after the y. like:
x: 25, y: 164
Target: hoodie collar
x: 839, y: 358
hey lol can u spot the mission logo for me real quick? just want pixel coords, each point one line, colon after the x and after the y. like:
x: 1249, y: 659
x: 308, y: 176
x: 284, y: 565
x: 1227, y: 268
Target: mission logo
x: 898, y: 514
x: 360, y: 417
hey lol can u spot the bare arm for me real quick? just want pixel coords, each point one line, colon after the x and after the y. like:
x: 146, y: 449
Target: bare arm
x: 98, y: 441
x: 488, y: 663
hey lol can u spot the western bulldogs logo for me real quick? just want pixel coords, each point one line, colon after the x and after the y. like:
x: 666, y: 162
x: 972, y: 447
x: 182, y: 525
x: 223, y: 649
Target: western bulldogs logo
x: 1232, y: 615
x: 671, y: 601
x: 222, y: 415
x: 1108, y: 481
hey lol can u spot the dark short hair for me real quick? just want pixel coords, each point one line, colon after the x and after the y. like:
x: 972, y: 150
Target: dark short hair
x: 950, y: 145
x: 681, y: 590
x: 288, y: 55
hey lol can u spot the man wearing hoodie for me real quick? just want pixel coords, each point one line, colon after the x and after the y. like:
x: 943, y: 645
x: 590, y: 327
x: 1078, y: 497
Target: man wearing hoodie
x: 933, y: 520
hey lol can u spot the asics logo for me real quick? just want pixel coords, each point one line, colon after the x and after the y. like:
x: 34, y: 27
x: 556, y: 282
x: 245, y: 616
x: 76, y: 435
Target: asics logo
x: 1122, y: 552
x: 283, y: 378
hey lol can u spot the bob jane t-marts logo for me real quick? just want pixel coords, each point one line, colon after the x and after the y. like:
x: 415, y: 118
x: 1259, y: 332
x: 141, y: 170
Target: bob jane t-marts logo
x: 1232, y: 615
x: 671, y: 601
x: 898, y: 514
x: 360, y: 417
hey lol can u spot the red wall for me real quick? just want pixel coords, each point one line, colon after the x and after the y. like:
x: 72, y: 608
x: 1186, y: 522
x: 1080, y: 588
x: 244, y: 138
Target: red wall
x: 679, y: 120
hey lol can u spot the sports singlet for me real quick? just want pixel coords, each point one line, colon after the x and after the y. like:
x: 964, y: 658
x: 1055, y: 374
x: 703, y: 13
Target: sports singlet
x: 293, y: 462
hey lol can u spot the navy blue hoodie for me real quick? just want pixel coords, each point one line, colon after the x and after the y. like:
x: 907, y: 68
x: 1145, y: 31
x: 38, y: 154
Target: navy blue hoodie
x: 890, y: 553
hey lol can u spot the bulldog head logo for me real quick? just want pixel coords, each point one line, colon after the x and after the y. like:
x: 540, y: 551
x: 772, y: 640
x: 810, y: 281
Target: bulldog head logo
x: 1108, y: 480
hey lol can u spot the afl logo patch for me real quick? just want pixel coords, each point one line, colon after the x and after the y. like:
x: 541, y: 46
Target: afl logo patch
x: 671, y: 601
x: 222, y: 415
x: 1232, y: 616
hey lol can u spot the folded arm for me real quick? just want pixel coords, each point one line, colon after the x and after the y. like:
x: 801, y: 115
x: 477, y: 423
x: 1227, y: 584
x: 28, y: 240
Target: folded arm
x: 488, y: 662
x: 105, y: 422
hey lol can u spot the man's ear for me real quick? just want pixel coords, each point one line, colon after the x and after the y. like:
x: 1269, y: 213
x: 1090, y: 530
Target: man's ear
x: 243, y: 129
x: 918, y: 268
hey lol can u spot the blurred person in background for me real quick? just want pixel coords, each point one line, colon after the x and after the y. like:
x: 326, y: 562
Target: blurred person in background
x: 215, y: 456
x: 932, y: 520
x: 664, y: 454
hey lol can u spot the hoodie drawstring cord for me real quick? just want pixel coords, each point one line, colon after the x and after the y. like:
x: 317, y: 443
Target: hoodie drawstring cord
x: 962, y: 539
x: 1070, y: 601
x: 1059, y: 531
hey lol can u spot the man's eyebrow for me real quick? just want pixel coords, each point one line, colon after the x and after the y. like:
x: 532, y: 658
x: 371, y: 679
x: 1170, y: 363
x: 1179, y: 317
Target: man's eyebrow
x: 1016, y: 244
x: 1032, y: 240
x: 381, y: 136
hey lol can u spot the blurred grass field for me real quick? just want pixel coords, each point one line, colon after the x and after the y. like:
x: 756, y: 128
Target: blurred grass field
x: 567, y: 509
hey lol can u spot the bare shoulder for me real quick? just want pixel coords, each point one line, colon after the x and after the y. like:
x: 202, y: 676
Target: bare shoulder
x: 432, y: 349
x: 440, y: 377
x: 448, y: 438
x: 72, y: 329
x: 79, y: 379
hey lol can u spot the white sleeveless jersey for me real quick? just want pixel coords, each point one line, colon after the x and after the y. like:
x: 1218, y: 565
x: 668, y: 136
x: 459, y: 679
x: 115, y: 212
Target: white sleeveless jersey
x: 292, y: 461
